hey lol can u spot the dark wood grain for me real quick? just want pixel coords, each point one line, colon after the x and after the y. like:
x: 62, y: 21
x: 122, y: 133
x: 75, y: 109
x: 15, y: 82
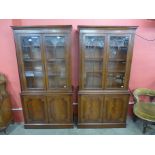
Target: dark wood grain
x: 35, y: 108
x: 60, y: 109
x: 105, y: 105
x: 116, y: 108
x: 90, y: 108
x: 46, y: 100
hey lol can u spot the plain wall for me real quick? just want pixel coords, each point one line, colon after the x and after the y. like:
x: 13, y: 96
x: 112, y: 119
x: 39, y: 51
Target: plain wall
x: 142, y: 68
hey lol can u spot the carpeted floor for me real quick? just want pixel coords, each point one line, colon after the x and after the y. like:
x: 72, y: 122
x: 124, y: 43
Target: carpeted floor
x: 133, y: 128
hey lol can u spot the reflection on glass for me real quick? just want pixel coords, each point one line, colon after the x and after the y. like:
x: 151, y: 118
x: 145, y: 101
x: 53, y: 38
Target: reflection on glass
x: 31, y: 47
x: 33, y: 74
x: 94, y: 41
x: 55, y: 40
x: 30, y: 41
x: 94, y: 46
x: 118, y: 47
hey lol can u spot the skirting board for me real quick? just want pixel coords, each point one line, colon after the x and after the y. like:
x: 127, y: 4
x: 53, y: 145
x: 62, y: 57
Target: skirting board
x: 101, y: 125
x: 48, y: 126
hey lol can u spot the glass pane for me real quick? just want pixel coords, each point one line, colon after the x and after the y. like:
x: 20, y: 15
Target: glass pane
x: 32, y: 61
x: 116, y: 66
x: 33, y: 65
x: 31, y: 53
x: 94, y: 46
x: 34, y: 74
x: 115, y: 80
x: 56, y: 61
x: 26, y: 52
x: 57, y: 68
x: 117, y: 61
x: 93, y: 65
x: 93, y: 80
x: 31, y: 47
x: 55, y: 40
x: 118, y: 47
x: 55, y: 47
x: 55, y: 52
x: 57, y: 82
x: 34, y: 79
x: 30, y: 41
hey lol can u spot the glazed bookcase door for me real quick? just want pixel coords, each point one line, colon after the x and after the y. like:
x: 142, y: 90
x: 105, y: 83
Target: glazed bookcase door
x: 56, y: 49
x: 32, y: 61
x: 117, y: 61
x: 93, y: 46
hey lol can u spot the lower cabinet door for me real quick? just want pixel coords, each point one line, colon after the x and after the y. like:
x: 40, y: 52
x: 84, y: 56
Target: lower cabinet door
x: 35, y: 109
x: 60, y: 109
x: 90, y: 109
x: 116, y: 108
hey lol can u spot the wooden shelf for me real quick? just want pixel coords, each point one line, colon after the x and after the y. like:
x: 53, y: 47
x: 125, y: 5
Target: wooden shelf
x: 116, y: 71
x: 33, y: 73
x: 38, y: 46
x: 56, y: 59
x: 93, y: 59
x: 117, y: 60
x: 55, y: 74
x: 119, y: 46
x: 32, y: 60
x: 34, y: 76
x: 100, y: 47
x: 55, y: 46
x: 93, y: 72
